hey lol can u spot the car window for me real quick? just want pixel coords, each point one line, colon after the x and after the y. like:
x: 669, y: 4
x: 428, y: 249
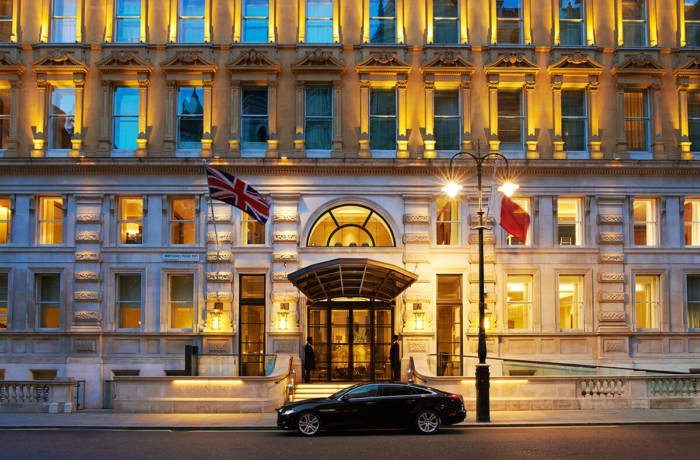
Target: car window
x: 420, y: 391
x: 364, y: 391
x: 396, y: 390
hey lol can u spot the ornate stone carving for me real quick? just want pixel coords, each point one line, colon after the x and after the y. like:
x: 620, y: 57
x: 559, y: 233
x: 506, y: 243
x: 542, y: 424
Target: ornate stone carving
x: 56, y: 59
x: 84, y: 345
x: 318, y: 59
x: 218, y: 257
x: 415, y: 257
x: 87, y: 316
x: 610, y: 219
x: 87, y: 276
x: 416, y: 238
x: 118, y: 60
x: 613, y: 346
x: 489, y: 238
x: 188, y: 61
x: 611, y: 238
x: 641, y: 63
x: 611, y: 297
x: 382, y: 60
x: 217, y: 347
x: 285, y: 296
x: 219, y: 295
x: 611, y: 277
x: 221, y: 277
x: 87, y: 237
x: 218, y: 219
x: 611, y: 316
x: 285, y: 218
x: 510, y: 61
x: 417, y: 347
x: 285, y: 257
x: 448, y: 59
x: 286, y: 236
x: 87, y: 256
x: 611, y: 258
x: 253, y: 59
x: 86, y: 296
x: 279, y: 277
x: 416, y: 219
x: 88, y: 218
x: 224, y: 237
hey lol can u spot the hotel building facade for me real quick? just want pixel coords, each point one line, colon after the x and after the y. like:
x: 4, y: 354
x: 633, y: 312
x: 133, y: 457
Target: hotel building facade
x: 345, y: 113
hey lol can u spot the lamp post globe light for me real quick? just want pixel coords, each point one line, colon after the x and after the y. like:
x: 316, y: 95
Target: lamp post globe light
x: 452, y: 189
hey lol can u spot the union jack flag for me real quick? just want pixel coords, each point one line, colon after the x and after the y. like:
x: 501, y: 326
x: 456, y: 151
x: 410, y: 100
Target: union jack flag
x: 229, y: 189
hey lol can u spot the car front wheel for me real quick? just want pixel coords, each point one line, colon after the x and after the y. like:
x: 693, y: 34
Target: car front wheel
x: 427, y: 422
x: 308, y: 424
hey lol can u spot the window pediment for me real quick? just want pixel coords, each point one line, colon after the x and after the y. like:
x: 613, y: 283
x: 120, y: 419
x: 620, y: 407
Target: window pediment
x: 318, y: 60
x: 638, y: 64
x: 576, y: 64
x: 383, y: 63
x: 58, y: 62
x: 189, y: 62
x: 689, y: 69
x: 512, y: 63
x: 122, y: 61
x: 9, y: 66
x: 447, y: 62
x: 253, y: 60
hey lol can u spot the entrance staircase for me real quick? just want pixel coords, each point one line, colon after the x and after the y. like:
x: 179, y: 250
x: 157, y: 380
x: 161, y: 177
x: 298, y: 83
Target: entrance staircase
x: 316, y: 390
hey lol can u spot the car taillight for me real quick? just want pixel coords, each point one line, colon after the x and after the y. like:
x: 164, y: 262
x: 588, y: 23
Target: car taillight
x: 457, y: 396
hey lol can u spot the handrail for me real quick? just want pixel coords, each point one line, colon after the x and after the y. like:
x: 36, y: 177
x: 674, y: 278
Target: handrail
x: 289, y: 371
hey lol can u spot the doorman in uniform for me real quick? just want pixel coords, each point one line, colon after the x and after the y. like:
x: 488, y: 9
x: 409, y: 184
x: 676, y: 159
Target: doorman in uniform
x: 395, y: 358
x: 309, y: 360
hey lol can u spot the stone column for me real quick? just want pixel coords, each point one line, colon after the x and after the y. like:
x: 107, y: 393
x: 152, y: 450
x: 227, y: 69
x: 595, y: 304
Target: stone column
x: 272, y: 140
x: 142, y: 139
x: 299, y: 134
x: 364, y: 119
x: 12, y: 143
x: 402, y: 138
x: 465, y: 89
x: 594, y: 118
x: 169, y: 140
x: 105, y: 142
x: 337, y: 119
x: 531, y: 140
x: 558, y: 141
x: 207, y: 139
x: 621, y: 138
x: 685, y: 144
x: 39, y: 131
x: 77, y: 140
x: 658, y: 146
x: 234, y: 138
x: 429, y: 140
x: 494, y: 142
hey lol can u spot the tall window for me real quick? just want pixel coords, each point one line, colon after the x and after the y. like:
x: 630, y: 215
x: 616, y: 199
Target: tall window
x: 519, y: 302
x: 634, y: 22
x: 127, y: 21
x: 129, y: 301
x: 252, y: 231
x: 350, y: 226
x: 382, y: 119
x: 190, y: 21
x: 447, y: 221
x: 318, y: 121
x: 190, y: 117
x: 449, y: 324
x: 692, y: 22
x: 181, y: 301
x: 693, y: 301
x: 256, y: 15
x: 182, y: 221
x: 644, y: 212
x: 64, y: 20
x: 571, y: 22
x: 446, y: 21
x: 319, y: 21
x: 447, y: 120
x: 254, y: 118
x: 4, y: 300
x: 5, y: 220
x: 61, y: 118
x: 125, y: 118
x: 509, y: 18
x: 48, y: 300
x: 131, y: 220
x: 511, y: 240
x: 574, y: 120
x: 571, y: 302
x: 691, y: 224
x: 252, y: 324
x: 5, y: 20
x: 511, y: 120
x: 4, y: 117
x: 569, y: 222
x: 50, y: 220
x: 637, y: 120
x: 694, y: 119
x: 382, y: 21
x: 646, y: 301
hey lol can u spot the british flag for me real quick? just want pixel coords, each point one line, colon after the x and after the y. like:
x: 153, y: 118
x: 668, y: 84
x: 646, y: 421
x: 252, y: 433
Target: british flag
x: 229, y: 189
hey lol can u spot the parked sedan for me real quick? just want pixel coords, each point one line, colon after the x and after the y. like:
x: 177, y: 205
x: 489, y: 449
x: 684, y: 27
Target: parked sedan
x: 375, y: 405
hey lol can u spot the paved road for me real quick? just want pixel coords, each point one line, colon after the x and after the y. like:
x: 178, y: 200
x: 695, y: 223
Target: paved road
x: 607, y: 442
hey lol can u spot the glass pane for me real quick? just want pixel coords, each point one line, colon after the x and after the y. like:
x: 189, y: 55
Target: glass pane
x: 65, y: 7
x: 571, y: 33
x: 128, y: 8
x: 574, y: 134
x: 6, y: 8
x: 319, y: 101
x: 254, y: 101
x: 254, y: 132
x: 573, y: 103
x: 253, y: 287
x: 319, y: 31
x: 126, y: 101
x: 447, y: 136
x: 509, y: 103
x: 318, y: 134
x: 692, y: 34
x: 646, y: 301
x: 693, y: 288
x: 5, y: 30
x: 4, y: 132
x: 255, y: 30
x: 382, y: 102
x: 382, y: 8
x: 449, y: 287
x: 510, y: 133
x: 5, y: 219
x: 50, y: 316
x: 445, y: 8
x: 446, y: 31
x: 570, y: 302
x: 382, y: 134
x: 192, y: 7
x: 129, y: 316
x: 692, y: 10
x: 255, y: 8
x: 636, y: 135
x: 633, y: 9
x: 446, y: 103
x: 694, y: 134
x: 634, y: 33
x: 182, y: 233
x: 129, y: 288
x: 182, y: 288
x: 191, y: 31
x: 382, y: 31
x: 61, y: 132
x: 63, y: 101
x: 63, y: 30
x: 570, y: 9
x: 694, y: 104
x: 183, y: 209
x: 319, y: 8
x: 189, y: 101
x: 126, y: 130
x: 253, y: 232
x: 508, y: 8
x: 190, y: 132
x: 128, y: 30
x: 49, y: 288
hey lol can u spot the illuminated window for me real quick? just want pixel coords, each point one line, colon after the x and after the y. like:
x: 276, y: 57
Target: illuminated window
x: 319, y: 21
x: 691, y: 221
x: 569, y: 222
x: 511, y: 240
x: 5, y: 20
x: 693, y: 301
x: 447, y: 120
x: 694, y: 120
x: 256, y: 14
x: 382, y: 21
x: 48, y: 300
x: 64, y: 20
x: 646, y: 301
x: 252, y: 231
x: 637, y: 120
x: 350, y: 226
x: 645, y: 231
x: 511, y: 120
x: 182, y: 221
x: 252, y: 324
x: 190, y: 117
x: 61, y: 118
x: 254, y: 118
x: 571, y: 302
x: 5, y: 220
x: 446, y: 21
x: 131, y: 220
x: 634, y: 22
x: 125, y: 118
x: 572, y: 22
x: 4, y: 300
x: 190, y: 21
x: 50, y: 220
x: 4, y: 117
x: 447, y: 221
x: 449, y: 325
x: 519, y: 302
x: 382, y: 119
x: 574, y: 120
x: 129, y: 301
x: 509, y: 18
x: 692, y: 22
x: 318, y: 122
x: 181, y: 301
x: 127, y: 21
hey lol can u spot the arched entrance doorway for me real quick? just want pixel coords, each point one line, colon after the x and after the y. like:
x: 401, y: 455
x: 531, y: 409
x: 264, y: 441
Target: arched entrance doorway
x: 351, y: 316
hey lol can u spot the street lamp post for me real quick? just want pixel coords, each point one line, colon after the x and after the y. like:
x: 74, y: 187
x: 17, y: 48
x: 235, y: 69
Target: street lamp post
x: 452, y: 189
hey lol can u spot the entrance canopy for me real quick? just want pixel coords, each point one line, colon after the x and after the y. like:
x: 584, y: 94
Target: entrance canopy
x: 352, y: 278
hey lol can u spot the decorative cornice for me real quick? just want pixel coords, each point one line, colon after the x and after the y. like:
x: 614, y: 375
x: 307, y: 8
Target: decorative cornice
x: 638, y: 64
x: 318, y: 60
x: 447, y: 62
x: 58, y: 62
x: 9, y: 66
x: 255, y: 61
x: 188, y: 62
x: 121, y: 61
x: 512, y: 63
x: 383, y: 63
x: 576, y: 64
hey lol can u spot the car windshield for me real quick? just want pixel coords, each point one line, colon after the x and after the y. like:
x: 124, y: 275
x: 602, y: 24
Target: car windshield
x: 339, y: 394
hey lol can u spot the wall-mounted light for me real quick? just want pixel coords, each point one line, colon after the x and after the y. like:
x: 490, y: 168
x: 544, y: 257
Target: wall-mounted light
x: 419, y: 316
x: 282, y: 316
x: 216, y: 318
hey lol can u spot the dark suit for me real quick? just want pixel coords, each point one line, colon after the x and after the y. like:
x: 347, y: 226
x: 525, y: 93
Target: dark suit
x: 309, y: 362
x: 395, y: 358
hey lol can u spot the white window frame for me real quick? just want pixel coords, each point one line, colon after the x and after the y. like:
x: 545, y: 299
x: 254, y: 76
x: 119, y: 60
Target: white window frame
x: 118, y: 301
x: 172, y: 220
x: 53, y: 18
x: 170, y: 303
x: 578, y: 223
x: 458, y: 221
x: 8, y: 220
x: 644, y: 21
x: 581, y: 22
x: 244, y: 18
x: 118, y: 18
x: 520, y: 20
x: 186, y: 151
x: 522, y: 117
x: 581, y: 307
x: 245, y: 218
x: 181, y: 18
x: 574, y: 153
x: 259, y: 150
x: 688, y: 301
x: 651, y: 223
x: 116, y: 117
x: 121, y: 221
x: 314, y: 18
x: 653, y: 305
x: 458, y: 117
x: 38, y: 301
x: 387, y: 19
x: 694, y: 222
x: 51, y: 116
x: 528, y: 303
x: 456, y: 19
x: 40, y: 221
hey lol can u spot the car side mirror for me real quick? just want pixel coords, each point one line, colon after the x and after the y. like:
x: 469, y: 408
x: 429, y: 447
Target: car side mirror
x: 345, y: 398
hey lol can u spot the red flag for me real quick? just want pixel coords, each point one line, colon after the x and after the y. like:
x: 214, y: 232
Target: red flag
x: 514, y: 219
x: 229, y: 189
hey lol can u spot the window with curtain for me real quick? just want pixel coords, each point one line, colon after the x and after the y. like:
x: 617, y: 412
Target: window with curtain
x: 693, y: 301
x: 4, y: 300
x: 350, y: 226
x: 252, y: 231
x: 6, y: 20
x: 254, y: 118
x: 646, y: 301
x: 190, y: 21
x: 61, y: 118
x: 125, y: 118
x: 64, y: 21
x: 569, y: 222
x: 449, y: 325
x: 182, y: 220
x: 570, y: 302
x: 382, y: 21
x: 509, y: 21
x: 519, y: 302
x: 644, y: 216
x: 447, y: 120
x: 256, y: 14
x: 190, y: 117
x: 129, y: 301
x: 691, y: 221
x: 131, y: 220
x: 181, y: 301
x: 637, y: 120
x: 382, y: 119
x: 692, y: 22
x: 574, y: 120
x: 5, y: 219
x: 694, y: 120
x: 5, y: 107
x: 634, y: 22
x: 318, y: 117
x: 127, y: 21
x: 319, y: 21
x: 511, y: 120
x: 524, y: 203
x: 252, y: 324
x: 50, y: 220
x: 572, y: 27
x: 445, y: 21
x: 48, y: 300
x: 447, y: 222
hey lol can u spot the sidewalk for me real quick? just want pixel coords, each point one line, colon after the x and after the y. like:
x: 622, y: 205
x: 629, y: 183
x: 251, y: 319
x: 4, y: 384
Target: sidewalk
x: 90, y: 419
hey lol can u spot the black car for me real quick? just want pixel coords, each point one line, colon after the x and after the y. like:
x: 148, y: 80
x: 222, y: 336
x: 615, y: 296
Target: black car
x: 375, y: 405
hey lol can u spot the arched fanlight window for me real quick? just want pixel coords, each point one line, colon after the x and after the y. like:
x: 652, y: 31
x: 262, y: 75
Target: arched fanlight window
x: 351, y: 226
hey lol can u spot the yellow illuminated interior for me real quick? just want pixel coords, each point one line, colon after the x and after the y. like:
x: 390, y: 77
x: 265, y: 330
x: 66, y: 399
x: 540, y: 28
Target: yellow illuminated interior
x: 131, y: 220
x: 351, y: 226
x: 182, y: 217
x: 5, y: 219
x: 50, y: 220
x: 519, y: 299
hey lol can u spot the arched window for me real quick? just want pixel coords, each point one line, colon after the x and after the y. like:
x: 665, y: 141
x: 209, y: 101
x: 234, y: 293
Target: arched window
x: 350, y: 226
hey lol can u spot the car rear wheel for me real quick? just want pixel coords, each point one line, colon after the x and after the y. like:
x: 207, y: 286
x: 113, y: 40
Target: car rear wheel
x: 427, y: 422
x: 308, y: 423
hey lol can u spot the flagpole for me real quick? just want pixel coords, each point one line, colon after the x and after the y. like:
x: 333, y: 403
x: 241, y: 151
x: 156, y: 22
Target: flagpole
x: 213, y: 217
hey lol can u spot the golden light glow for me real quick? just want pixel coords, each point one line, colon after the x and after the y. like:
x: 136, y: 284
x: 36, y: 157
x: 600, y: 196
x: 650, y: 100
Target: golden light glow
x: 452, y: 189
x: 471, y: 381
x: 282, y: 320
x: 508, y: 187
x: 207, y: 381
x: 216, y: 322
